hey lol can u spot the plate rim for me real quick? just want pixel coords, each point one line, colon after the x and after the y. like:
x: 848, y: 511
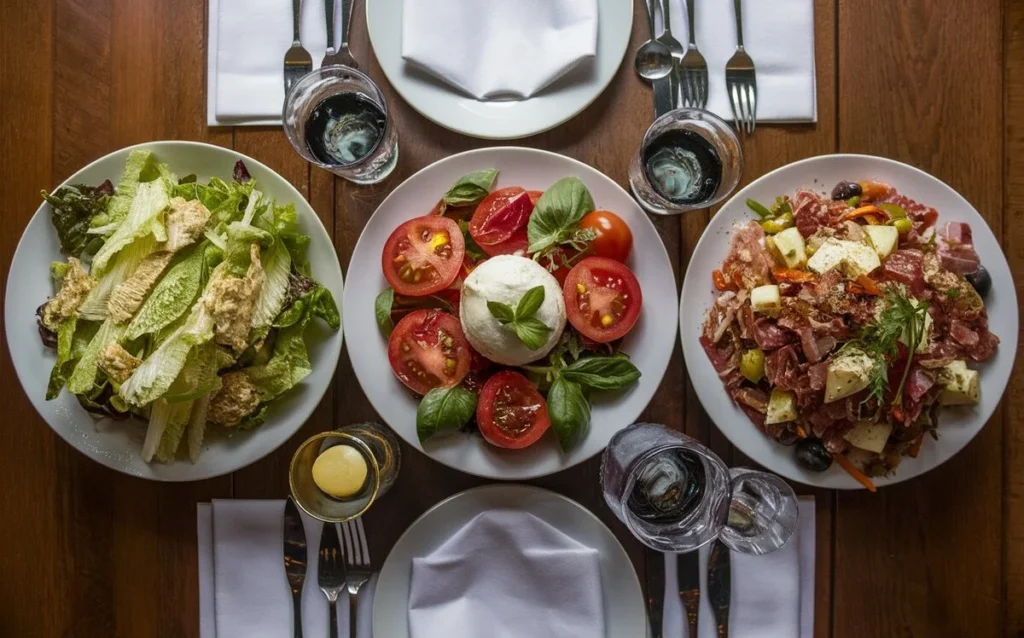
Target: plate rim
x: 333, y: 354
x: 846, y: 482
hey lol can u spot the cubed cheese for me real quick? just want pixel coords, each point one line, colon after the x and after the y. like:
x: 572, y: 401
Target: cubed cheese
x: 790, y: 244
x: 883, y: 238
x: 829, y: 255
x: 848, y: 373
x: 854, y: 258
x: 766, y: 299
x: 869, y: 436
x: 960, y: 384
x: 781, y: 407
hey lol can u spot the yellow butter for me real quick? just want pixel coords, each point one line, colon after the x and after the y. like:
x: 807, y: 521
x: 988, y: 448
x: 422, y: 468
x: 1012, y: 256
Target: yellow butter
x: 340, y: 471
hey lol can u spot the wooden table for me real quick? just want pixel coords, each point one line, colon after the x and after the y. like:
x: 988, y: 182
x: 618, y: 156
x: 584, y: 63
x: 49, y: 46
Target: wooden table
x: 89, y: 552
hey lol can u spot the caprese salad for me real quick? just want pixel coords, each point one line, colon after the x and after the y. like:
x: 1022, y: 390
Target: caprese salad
x: 506, y: 308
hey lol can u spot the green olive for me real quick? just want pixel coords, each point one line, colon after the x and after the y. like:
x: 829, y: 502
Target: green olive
x: 778, y: 224
x: 903, y: 225
x: 752, y: 365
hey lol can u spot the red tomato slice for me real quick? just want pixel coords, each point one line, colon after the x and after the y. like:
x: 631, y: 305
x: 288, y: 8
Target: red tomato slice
x: 427, y: 350
x: 500, y: 215
x: 514, y: 245
x: 602, y: 299
x: 423, y: 255
x: 614, y: 239
x: 510, y: 412
x: 534, y: 196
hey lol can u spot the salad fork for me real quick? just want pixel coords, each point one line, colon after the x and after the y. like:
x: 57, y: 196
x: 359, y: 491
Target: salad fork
x: 342, y: 55
x: 331, y: 572
x: 357, y: 566
x: 297, y: 60
x: 677, y: 52
x: 693, y: 69
x: 741, y: 81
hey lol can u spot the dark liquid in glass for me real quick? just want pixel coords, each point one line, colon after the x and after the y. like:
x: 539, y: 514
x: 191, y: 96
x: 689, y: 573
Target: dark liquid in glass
x: 344, y: 128
x: 683, y: 167
x: 669, y: 487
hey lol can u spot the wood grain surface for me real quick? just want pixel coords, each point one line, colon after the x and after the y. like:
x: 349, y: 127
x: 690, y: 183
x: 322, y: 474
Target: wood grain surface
x: 935, y: 83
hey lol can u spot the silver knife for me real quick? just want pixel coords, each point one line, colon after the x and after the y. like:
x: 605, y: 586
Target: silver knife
x: 688, y: 568
x: 655, y: 590
x: 295, y: 559
x: 720, y: 586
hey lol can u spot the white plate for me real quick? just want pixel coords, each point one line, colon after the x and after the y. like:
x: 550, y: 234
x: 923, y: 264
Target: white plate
x: 624, y: 612
x: 118, y: 444
x: 649, y: 344
x: 500, y: 119
x: 956, y: 426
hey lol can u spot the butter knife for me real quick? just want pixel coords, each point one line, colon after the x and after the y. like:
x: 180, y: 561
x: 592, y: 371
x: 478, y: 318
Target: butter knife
x: 295, y: 559
x: 688, y: 569
x: 655, y: 590
x: 720, y: 586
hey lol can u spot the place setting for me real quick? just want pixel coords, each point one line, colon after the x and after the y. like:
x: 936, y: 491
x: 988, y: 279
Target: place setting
x: 176, y: 311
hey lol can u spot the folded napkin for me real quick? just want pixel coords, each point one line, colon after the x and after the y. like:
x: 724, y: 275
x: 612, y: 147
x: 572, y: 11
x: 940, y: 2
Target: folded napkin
x: 507, y: 574
x: 772, y: 595
x: 499, y: 48
x: 243, y: 592
x: 778, y: 35
x: 246, y: 46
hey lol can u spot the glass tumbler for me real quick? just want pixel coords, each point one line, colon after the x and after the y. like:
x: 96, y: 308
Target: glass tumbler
x: 676, y: 495
x: 336, y: 118
x: 689, y: 159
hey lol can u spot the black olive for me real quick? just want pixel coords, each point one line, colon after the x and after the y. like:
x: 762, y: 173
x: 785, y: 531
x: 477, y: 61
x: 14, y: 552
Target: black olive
x: 846, y: 190
x: 49, y: 337
x: 812, y: 455
x: 981, y: 280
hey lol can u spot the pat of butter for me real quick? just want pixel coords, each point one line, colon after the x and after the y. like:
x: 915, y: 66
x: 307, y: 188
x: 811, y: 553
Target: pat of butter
x: 340, y: 471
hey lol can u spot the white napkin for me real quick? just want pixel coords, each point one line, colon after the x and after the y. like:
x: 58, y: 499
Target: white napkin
x: 772, y: 595
x: 245, y: 48
x: 507, y: 574
x: 779, y: 37
x: 243, y: 592
x: 499, y: 48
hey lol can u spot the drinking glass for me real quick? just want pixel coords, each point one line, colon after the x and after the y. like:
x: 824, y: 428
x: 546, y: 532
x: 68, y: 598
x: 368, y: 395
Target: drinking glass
x: 689, y: 159
x: 676, y: 495
x: 378, y: 447
x: 353, y: 142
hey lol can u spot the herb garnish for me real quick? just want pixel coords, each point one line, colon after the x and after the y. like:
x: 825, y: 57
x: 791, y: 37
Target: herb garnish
x: 555, y: 221
x: 521, y: 320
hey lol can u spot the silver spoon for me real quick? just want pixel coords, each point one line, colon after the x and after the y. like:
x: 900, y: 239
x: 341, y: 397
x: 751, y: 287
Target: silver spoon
x: 653, y: 62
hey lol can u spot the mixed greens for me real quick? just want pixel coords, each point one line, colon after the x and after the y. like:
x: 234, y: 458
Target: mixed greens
x: 182, y: 303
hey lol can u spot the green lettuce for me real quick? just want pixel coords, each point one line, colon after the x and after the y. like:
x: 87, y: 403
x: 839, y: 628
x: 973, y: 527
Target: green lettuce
x: 141, y: 164
x: 197, y: 427
x: 72, y: 211
x: 61, y: 371
x: 172, y: 296
x: 167, y: 423
x: 83, y: 378
x: 226, y: 201
x: 144, y: 217
x: 276, y: 268
x: 94, y: 308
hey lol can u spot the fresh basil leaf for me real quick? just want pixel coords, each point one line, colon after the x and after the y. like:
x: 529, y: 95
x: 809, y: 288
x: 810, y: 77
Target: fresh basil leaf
x: 473, y: 249
x: 569, y: 412
x: 444, y: 411
x: 469, y: 189
x: 603, y: 373
x: 532, y: 332
x: 501, y: 312
x: 382, y: 308
x: 558, y: 213
x: 758, y: 208
x: 530, y: 302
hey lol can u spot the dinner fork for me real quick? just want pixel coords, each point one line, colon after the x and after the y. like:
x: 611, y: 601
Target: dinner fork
x: 740, y: 80
x: 357, y: 566
x: 341, y: 55
x: 677, y: 52
x: 297, y: 60
x: 331, y: 574
x: 693, y: 69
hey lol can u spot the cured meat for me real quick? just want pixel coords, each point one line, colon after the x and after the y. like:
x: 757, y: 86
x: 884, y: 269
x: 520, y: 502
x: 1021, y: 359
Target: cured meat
x: 956, y: 249
x: 962, y: 334
x: 986, y: 347
x: 919, y: 382
x: 748, y: 262
x: 752, y: 397
x: 723, y: 356
x: 782, y: 367
x: 769, y: 335
x: 815, y: 348
x: 811, y: 211
x: 904, y: 266
x: 817, y: 375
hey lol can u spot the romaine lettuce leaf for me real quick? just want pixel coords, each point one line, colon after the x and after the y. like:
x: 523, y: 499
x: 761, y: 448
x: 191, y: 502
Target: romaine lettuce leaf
x: 144, y: 217
x: 199, y: 376
x: 83, y: 378
x: 61, y: 369
x: 140, y: 164
x: 172, y: 296
x: 240, y: 237
x: 226, y: 201
x: 317, y: 301
x: 197, y: 427
x: 276, y: 268
x: 72, y: 210
x: 94, y: 308
x: 173, y: 431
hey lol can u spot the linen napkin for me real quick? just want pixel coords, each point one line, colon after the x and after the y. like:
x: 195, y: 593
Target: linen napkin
x: 499, y: 48
x: 245, y: 48
x: 772, y: 595
x: 778, y: 35
x: 243, y: 592
x: 507, y: 574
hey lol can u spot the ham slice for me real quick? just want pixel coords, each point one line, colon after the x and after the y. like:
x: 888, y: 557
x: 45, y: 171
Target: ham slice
x: 769, y: 335
x: 963, y: 334
x: 956, y: 249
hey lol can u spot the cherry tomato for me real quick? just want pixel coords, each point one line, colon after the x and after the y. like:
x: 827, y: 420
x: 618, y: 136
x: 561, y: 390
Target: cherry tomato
x: 559, y: 262
x: 614, y: 239
x: 500, y: 216
x: 510, y: 412
x: 534, y: 196
x: 602, y: 299
x: 423, y: 255
x: 428, y: 350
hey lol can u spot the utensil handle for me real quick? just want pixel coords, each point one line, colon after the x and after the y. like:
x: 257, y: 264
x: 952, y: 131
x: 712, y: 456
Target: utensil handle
x: 329, y: 10
x: 353, y: 609
x: 691, y: 23
x: 738, y: 4
x: 297, y: 617
x: 334, y: 618
x: 663, y: 95
x: 665, y: 17
x: 346, y: 25
x: 691, y: 619
x: 296, y: 12
x: 650, y: 17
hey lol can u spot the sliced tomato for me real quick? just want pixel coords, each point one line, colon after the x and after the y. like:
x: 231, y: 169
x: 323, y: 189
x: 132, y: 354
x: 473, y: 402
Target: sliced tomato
x: 423, y: 255
x: 514, y: 245
x: 500, y: 216
x: 534, y: 196
x: 427, y: 350
x: 510, y: 412
x: 602, y: 299
x: 613, y: 238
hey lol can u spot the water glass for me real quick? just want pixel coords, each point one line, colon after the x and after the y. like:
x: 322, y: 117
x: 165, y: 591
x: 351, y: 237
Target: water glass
x: 689, y: 159
x: 337, y: 118
x: 676, y: 495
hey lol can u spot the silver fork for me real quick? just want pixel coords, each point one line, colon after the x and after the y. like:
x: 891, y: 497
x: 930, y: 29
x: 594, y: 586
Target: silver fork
x: 297, y: 61
x: 357, y: 566
x: 693, y: 69
x: 342, y: 55
x: 331, y: 574
x: 677, y: 52
x: 741, y: 81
